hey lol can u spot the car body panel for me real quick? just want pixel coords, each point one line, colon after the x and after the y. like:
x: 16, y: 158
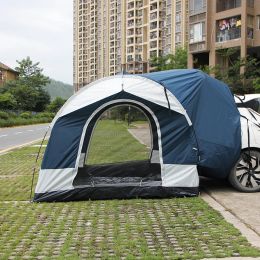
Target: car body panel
x: 253, y: 124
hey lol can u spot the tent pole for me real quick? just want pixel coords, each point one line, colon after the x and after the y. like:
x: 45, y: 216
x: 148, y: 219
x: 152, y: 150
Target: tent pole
x: 35, y: 164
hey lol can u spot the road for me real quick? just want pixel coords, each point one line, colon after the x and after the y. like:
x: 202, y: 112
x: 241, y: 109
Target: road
x: 15, y: 136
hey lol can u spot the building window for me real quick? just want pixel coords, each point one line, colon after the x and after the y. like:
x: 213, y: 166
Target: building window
x: 178, y: 6
x: 258, y: 22
x: 178, y: 27
x: 228, y: 29
x: 223, y: 5
x: 177, y: 38
x: 250, y: 26
x: 250, y: 21
x: 250, y: 3
x: 197, y: 6
x: 178, y: 18
x: 197, y: 32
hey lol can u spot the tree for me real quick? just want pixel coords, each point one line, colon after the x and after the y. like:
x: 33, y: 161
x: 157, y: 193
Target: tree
x: 171, y: 61
x: 56, y: 104
x: 28, y: 89
x: 25, y: 97
x: 7, y: 101
x: 30, y: 74
x: 256, y: 84
x: 240, y: 83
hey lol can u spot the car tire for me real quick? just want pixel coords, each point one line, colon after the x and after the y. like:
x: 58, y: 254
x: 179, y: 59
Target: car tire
x: 245, y: 176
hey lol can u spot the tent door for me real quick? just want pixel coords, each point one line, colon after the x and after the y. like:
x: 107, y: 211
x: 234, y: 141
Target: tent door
x: 120, y: 148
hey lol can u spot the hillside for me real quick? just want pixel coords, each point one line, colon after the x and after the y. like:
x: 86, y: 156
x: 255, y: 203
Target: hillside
x: 59, y: 89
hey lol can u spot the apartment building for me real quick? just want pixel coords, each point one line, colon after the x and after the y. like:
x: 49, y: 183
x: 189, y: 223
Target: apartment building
x: 222, y: 24
x: 116, y: 35
x: 144, y: 33
x: 176, y: 25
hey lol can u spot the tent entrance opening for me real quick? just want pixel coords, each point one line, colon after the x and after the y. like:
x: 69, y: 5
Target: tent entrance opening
x: 120, y: 149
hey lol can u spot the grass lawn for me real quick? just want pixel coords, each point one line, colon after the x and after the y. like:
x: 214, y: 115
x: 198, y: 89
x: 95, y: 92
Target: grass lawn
x: 111, y: 142
x: 147, y: 229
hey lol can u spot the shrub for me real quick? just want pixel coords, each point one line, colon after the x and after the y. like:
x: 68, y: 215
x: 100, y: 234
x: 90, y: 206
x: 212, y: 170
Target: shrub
x: 45, y: 115
x: 12, y: 114
x: 26, y: 115
x: 56, y: 104
x: 4, y: 115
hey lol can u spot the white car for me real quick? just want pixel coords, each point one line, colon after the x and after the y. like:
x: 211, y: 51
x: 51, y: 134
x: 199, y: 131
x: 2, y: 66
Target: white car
x: 245, y: 176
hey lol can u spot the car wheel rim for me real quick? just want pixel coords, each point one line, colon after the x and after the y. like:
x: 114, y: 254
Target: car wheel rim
x: 248, y: 171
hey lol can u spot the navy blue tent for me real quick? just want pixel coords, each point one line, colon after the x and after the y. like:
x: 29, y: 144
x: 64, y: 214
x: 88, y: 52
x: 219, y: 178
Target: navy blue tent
x: 195, y: 125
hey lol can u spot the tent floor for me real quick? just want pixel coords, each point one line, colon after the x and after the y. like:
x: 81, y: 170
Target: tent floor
x: 116, y: 192
x: 127, y: 173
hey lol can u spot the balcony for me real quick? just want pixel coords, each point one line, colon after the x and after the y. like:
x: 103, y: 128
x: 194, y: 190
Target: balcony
x: 139, y: 31
x: 197, y: 7
x: 130, y: 14
x: 153, y: 6
x: 139, y: 23
x: 130, y: 58
x: 250, y: 33
x: 138, y: 49
x: 139, y: 4
x: 223, y: 5
x: 139, y: 13
x: 153, y: 16
x: 153, y: 25
x: 130, y: 41
x: 138, y: 57
x: 130, y: 32
x: 131, y: 5
x: 138, y: 40
x: 250, y: 3
x: 228, y: 29
x: 153, y: 35
x: 153, y: 44
x: 234, y: 33
x: 130, y: 23
x: 130, y: 49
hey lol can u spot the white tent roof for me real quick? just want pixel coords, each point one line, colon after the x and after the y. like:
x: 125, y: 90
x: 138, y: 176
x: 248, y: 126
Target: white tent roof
x: 135, y: 85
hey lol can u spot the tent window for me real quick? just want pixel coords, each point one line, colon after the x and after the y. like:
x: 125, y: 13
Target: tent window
x: 121, y: 134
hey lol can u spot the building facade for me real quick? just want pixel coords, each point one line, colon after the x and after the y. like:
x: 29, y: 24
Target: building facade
x: 116, y: 35
x: 6, y: 73
x: 221, y: 24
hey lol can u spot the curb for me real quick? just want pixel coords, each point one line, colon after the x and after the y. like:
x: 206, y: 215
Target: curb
x: 252, y: 237
x: 21, y: 126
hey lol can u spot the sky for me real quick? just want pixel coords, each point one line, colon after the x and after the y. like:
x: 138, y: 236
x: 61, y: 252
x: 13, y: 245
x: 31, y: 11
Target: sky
x: 42, y: 30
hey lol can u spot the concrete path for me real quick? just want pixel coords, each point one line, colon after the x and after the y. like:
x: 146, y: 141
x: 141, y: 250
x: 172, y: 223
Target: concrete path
x: 241, y: 209
x: 16, y: 136
x: 142, y: 134
x: 244, y: 206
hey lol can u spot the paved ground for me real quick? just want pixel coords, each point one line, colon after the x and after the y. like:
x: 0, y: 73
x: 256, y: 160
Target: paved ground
x: 142, y: 134
x: 244, y: 206
x: 14, y: 136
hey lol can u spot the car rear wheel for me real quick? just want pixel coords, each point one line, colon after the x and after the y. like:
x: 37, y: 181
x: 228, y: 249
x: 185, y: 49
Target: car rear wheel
x: 245, y: 176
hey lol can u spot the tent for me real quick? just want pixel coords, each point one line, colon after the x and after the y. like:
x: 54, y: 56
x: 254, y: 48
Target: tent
x: 195, y: 125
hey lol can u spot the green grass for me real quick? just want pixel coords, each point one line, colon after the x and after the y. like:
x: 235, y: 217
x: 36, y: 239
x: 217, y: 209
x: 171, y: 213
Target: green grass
x: 111, y: 142
x: 148, y: 229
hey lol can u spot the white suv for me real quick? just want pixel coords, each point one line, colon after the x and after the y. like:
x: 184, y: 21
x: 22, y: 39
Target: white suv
x: 245, y: 176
